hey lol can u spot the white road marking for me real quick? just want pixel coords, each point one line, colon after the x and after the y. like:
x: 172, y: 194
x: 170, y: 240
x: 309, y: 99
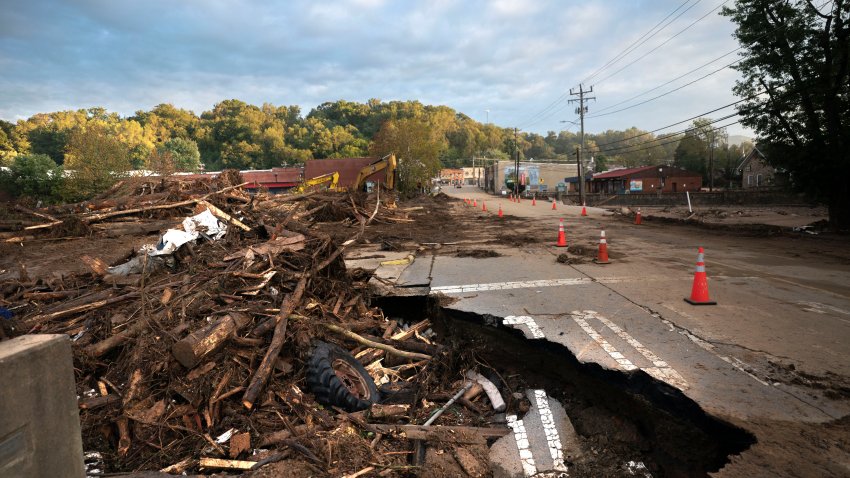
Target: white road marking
x: 528, y: 322
x: 660, y: 370
x: 552, y: 437
x: 620, y: 358
x: 522, y: 443
x: 819, y: 308
x: 456, y: 289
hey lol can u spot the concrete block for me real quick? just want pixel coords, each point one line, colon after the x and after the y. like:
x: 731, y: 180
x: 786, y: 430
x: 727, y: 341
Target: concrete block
x: 39, y: 417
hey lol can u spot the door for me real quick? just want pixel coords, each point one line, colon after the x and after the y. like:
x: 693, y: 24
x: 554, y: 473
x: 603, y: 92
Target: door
x: 674, y: 187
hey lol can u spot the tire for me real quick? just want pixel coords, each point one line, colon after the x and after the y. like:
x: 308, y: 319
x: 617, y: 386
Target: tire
x: 336, y: 378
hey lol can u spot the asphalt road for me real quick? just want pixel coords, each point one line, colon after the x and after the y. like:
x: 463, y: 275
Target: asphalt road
x: 773, y: 351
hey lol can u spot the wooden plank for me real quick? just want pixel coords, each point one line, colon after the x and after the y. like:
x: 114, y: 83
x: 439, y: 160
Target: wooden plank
x: 442, y: 433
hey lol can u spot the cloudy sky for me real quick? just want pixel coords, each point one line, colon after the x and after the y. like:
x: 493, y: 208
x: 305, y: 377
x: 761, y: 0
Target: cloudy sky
x: 515, y: 58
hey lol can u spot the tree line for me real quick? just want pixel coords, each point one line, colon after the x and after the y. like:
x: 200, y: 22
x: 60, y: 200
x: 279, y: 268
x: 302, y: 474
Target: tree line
x: 93, y: 146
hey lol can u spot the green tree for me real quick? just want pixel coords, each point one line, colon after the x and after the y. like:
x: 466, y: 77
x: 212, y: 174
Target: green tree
x: 184, y: 154
x: 418, y: 145
x: 94, y: 161
x: 795, y: 83
x: 33, y: 175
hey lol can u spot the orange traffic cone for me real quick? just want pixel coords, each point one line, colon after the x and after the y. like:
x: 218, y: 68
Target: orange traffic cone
x: 500, y: 210
x: 553, y: 204
x: 474, y: 203
x: 483, y: 206
x: 699, y: 292
x: 637, y: 218
x: 602, y: 257
x: 533, y: 200
x: 562, y: 236
x: 583, y: 210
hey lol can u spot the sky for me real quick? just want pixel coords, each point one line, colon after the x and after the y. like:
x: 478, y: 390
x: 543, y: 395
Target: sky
x: 510, y: 62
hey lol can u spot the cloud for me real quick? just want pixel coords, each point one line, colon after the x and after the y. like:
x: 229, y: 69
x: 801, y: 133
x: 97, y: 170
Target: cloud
x: 509, y: 56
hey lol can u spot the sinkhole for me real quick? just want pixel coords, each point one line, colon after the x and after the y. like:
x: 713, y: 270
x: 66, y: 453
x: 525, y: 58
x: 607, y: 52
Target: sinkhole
x: 627, y: 423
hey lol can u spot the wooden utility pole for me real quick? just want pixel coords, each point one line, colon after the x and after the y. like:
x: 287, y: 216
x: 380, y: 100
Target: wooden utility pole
x: 581, y: 110
x: 516, y: 165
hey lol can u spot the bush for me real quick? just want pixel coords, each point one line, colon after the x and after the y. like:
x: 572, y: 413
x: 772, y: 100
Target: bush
x: 33, y: 175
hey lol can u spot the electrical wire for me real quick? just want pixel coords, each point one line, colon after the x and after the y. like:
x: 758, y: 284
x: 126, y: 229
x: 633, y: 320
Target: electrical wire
x: 662, y: 138
x: 629, y: 48
x: 662, y: 43
x: 676, y: 140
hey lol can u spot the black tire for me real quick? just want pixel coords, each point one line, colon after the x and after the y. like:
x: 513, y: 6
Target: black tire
x: 336, y: 378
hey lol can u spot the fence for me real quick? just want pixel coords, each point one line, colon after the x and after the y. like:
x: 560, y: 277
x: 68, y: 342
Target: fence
x: 717, y: 198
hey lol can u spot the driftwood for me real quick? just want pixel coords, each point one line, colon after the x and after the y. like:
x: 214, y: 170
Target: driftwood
x: 97, y: 402
x: 262, y: 373
x: 448, y: 434
x: 83, y: 308
x: 191, y: 350
x: 226, y: 464
x: 100, y: 348
x: 223, y: 215
x: 369, y: 343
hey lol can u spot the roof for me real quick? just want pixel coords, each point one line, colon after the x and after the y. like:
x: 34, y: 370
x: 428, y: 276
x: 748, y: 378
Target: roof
x: 619, y: 173
x: 748, y: 157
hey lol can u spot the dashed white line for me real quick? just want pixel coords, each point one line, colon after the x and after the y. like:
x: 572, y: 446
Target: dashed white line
x: 522, y: 443
x: 456, y: 289
x: 552, y: 437
x: 528, y: 322
x: 659, y: 370
x: 620, y: 358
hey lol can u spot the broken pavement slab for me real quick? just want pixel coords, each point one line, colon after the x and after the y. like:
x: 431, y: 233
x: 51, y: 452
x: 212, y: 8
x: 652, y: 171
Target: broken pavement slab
x: 543, y: 440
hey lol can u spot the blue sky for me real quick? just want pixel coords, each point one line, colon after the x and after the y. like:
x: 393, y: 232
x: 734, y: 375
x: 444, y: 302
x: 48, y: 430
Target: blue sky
x: 511, y: 57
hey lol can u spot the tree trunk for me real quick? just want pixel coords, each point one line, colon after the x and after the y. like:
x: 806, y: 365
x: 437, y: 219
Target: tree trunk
x: 200, y: 343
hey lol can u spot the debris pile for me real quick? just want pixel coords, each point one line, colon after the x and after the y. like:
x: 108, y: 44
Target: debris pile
x: 236, y: 340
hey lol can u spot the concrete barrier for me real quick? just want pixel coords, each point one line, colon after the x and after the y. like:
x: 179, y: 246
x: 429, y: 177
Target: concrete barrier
x: 39, y: 417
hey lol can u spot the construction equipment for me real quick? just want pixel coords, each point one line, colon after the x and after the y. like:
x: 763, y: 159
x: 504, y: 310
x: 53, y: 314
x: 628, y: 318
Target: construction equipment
x: 333, y: 178
x: 388, y: 162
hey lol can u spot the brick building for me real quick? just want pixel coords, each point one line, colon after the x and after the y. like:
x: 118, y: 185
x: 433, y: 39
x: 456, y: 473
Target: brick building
x: 646, y: 180
x: 756, y: 173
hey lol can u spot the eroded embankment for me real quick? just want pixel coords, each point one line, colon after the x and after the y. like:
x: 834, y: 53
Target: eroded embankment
x: 619, y: 416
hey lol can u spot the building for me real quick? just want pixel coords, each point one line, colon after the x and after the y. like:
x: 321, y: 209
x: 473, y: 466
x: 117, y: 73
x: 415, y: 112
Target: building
x: 473, y: 176
x: 451, y: 175
x: 756, y: 173
x: 537, y: 177
x: 646, y: 180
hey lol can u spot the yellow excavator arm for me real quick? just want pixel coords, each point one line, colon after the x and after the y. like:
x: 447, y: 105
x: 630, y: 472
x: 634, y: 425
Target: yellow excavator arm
x: 388, y: 162
x: 333, y: 178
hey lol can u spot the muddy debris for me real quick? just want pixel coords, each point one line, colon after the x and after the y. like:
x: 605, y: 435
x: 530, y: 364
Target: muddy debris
x: 478, y: 253
x: 234, y: 340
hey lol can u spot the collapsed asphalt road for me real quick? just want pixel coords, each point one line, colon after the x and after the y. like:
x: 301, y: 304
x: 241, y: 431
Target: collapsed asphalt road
x: 755, y: 361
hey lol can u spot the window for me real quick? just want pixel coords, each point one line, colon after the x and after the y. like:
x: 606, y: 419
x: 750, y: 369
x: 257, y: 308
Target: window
x: 758, y: 180
x: 749, y: 180
x: 749, y: 167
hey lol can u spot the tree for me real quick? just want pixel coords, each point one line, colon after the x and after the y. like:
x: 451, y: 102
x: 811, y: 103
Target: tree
x: 94, y: 161
x: 417, y: 143
x: 33, y: 175
x: 796, y: 92
x: 184, y: 154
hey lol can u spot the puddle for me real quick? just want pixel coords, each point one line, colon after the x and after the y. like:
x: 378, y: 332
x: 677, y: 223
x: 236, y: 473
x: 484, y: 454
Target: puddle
x: 628, y: 424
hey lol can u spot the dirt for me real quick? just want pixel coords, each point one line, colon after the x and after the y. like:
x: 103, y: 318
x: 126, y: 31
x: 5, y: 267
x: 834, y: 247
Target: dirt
x: 478, y: 253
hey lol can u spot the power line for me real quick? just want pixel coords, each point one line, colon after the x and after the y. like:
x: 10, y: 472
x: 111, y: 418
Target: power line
x: 677, y: 139
x: 678, y: 122
x: 667, y: 93
x: 663, y: 43
x: 674, y: 79
x: 629, y: 48
x: 621, y: 148
x: 538, y: 117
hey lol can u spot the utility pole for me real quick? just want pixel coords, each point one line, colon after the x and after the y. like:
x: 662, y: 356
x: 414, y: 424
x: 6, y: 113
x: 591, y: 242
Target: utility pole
x: 516, y: 164
x: 581, y: 110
